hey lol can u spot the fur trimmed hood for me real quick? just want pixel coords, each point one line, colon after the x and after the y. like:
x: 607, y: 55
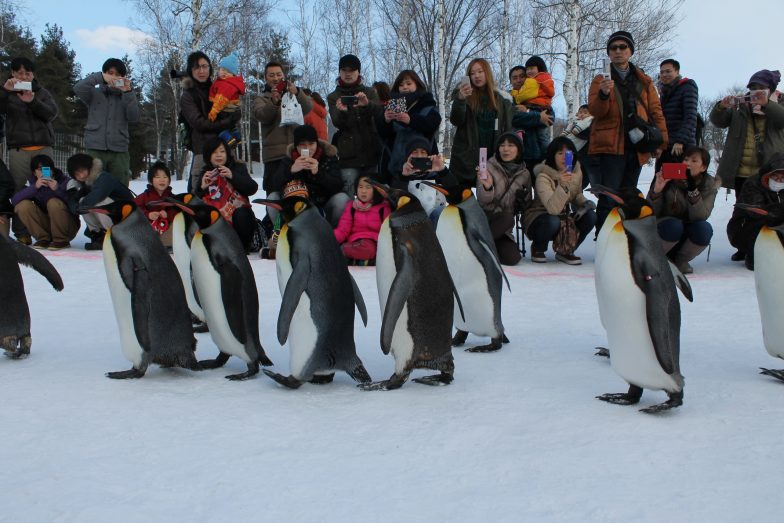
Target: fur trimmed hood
x: 95, y: 172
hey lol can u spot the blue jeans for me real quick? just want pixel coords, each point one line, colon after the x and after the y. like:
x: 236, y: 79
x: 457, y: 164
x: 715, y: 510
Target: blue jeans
x: 545, y: 226
x: 674, y: 230
x: 614, y: 171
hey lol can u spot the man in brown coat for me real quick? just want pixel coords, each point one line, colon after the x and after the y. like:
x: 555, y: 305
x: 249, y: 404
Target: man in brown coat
x: 614, y: 100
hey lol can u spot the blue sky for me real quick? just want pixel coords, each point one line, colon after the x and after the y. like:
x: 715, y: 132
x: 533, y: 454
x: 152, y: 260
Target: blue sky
x: 715, y: 44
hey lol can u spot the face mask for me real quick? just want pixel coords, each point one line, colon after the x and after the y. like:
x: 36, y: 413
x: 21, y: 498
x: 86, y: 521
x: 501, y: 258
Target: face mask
x: 775, y: 186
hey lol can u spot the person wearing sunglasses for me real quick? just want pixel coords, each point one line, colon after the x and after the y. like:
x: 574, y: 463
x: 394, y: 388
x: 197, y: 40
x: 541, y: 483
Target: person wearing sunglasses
x: 622, y: 100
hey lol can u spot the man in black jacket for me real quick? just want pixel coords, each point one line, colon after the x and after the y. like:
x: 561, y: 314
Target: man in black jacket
x: 29, y: 115
x: 679, y: 97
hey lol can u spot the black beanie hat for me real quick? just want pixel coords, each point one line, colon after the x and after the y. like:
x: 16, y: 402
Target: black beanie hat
x: 621, y: 35
x: 350, y: 61
x: 538, y: 62
x: 515, y: 139
x: 418, y: 142
x: 304, y: 133
x: 770, y: 79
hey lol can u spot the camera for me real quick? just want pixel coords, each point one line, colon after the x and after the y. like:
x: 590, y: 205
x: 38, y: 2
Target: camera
x: 119, y: 82
x: 174, y: 74
x: 281, y: 86
x: 23, y: 86
x: 422, y: 164
x: 348, y: 101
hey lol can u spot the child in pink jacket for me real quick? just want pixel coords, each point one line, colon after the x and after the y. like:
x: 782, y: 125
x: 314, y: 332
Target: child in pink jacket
x: 357, y: 231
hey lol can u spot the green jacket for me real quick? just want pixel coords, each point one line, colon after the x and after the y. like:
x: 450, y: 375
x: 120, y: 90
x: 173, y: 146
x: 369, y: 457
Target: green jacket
x: 738, y: 122
x: 464, y: 157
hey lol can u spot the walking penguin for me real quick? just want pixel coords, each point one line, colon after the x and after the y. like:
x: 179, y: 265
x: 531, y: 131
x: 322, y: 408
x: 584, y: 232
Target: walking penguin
x: 638, y: 302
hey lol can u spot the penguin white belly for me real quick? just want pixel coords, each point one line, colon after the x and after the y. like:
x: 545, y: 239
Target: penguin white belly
x: 768, y: 264
x: 468, y: 276
x: 121, y: 299
x: 182, y: 258
x: 402, y: 343
x: 385, y: 264
x: 208, y: 286
x: 601, y: 243
x: 623, y: 308
x: 303, y: 334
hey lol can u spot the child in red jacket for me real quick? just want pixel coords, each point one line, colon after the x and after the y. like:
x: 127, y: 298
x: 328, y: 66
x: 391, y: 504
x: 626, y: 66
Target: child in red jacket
x: 159, y: 188
x: 225, y: 94
x: 536, y: 68
x: 357, y: 231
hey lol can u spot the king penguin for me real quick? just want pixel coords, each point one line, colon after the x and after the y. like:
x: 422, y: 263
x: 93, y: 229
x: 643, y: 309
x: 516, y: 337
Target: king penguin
x: 15, y: 337
x: 227, y: 290
x: 470, y: 253
x: 768, y: 263
x: 416, y: 294
x: 638, y: 303
x: 318, y: 298
x: 147, y: 294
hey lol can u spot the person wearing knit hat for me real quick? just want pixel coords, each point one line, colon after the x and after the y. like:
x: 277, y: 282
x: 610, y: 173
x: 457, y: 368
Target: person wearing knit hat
x: 756, y: 133
x: 225, y: 94
x: 624, y: 102
x: 305, y: 133
x: 354, y: 107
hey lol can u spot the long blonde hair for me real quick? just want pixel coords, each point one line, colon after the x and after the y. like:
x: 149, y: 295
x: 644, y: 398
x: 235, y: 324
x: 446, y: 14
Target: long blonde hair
x: 475, y: 99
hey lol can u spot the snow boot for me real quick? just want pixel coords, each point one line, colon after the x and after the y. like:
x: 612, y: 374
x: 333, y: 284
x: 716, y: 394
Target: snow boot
x: 687, y: 252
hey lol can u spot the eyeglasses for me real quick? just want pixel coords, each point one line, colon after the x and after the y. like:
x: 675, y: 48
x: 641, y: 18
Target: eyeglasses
x: 201, y: 67
x: 622, y: 47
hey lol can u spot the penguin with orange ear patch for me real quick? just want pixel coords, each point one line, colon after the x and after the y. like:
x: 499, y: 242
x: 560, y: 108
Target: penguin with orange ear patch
x: 227, y: 290
x: 147, y: 294
x: 638, y: 302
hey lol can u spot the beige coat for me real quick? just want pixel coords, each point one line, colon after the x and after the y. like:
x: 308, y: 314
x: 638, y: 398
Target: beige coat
x: 501, y: 197
x: 552, y: 196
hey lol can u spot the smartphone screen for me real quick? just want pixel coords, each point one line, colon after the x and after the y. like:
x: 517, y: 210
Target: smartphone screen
x: 466, y: 80
x: 46, y: 172
x: 569, y: 160
x: 305, y: 153
x: 673, y: 171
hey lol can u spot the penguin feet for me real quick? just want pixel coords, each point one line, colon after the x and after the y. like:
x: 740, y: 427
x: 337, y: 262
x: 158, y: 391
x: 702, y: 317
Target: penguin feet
x: 317, y: 379
x: 217, y: 363
x: 459, y: 338
x: 778, y: 374
x: 16, y: 348
x: 394, y: 382
x: 602, y: 351
x: 676, y: 400
x: 436, y: 379
x: 253, y: 369
x: 505, y: 339
x: 290, y: 381
x: 131, y: 374
x: 200, y: 326
x: 623, y: 398
x: 494, y: 345
x: 360, y: 374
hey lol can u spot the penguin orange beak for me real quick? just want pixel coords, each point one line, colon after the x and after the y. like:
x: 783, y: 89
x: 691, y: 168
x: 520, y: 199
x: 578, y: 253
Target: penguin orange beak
x: 435, y: 186
x: 751, y: 208
x: 173, y: 202
x: 275, y: 204
x: 606, y: 191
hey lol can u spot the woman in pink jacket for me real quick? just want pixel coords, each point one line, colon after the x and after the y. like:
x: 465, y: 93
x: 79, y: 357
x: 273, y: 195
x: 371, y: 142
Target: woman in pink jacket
x: 357, y: 231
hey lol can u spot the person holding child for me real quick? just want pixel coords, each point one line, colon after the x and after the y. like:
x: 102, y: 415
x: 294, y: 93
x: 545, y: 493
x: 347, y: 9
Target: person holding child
x: 42, y: 208
x: 158, y: 188
x: 682, y: 208
x: 225, y: 94
x: 504, y: 191
x: 360, y: 223
x: 536, y: 69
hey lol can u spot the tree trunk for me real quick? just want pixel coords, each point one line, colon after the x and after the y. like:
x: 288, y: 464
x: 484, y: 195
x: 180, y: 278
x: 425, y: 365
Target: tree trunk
x: 570, y: 91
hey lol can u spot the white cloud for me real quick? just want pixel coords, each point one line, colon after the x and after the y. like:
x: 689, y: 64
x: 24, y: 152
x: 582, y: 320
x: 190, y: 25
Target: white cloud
x: 111, y: 38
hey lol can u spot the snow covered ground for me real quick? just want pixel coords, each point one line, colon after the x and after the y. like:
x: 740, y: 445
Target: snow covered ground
x: 517, y: 437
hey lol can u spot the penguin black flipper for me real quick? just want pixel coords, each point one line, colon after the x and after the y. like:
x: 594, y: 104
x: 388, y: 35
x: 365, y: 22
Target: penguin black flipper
x: 231, y: 280
x: 38, y: 262
x: 359, y: 300
x: 496, y: 261
x: 457, y: 299
x: 298, y: 282
x: 681, y: 282
x: 399, y: 291
x: 141, y: 305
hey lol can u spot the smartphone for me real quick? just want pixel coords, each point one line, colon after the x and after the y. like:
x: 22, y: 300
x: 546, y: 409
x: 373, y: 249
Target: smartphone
x: 305, y: 153
x: 483, y: 163
x: 569, y: 160
x: 23, y: 86
x: 466, y: 80
x: 673, y: 171
x: 348, y: 101
x: 281, y: 86
x: 46, y: 173
x: 120, y: 82
x: 422, y: 164
x: 606, y: 68
x: 397, y: 105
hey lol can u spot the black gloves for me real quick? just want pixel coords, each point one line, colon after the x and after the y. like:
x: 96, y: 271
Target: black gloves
x: 522, y: 198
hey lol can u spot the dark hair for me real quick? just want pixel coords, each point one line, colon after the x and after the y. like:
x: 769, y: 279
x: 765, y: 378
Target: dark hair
x: 193, y: 61
x: 377, y: 198
x: 318, y: 99
x: 584, y: 106
x: 555, y: 146
x: 382, y: 89
x: 516, y: 68
x: 538, y: 62
x: 272, y: 64
x: 20, y: 61
x: 117, y: 64
x: 704, y: 154
x: 672, y: 61
x: 41, y: 160
x: 408, y: 73
x: 209, y: 148
x: 78, y: 161
x: 154, y: 168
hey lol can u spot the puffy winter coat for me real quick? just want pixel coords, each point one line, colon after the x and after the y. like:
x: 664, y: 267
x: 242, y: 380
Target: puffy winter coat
x: 356, y: 139
x: 673, y: 201
x: 501, y: 197
x: 28, y: 124
x: 195, y: 108
x: 109, y: 111
x: 151, y: 195
x: 98, y: 186
x: 679, y: 105
x: 274, y: 138
x: 425, y: 120
x: 356, y: 224
x: 550, y: 196
x: 41, y: 195
x: 317, y: 118
x: 323, y: 185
